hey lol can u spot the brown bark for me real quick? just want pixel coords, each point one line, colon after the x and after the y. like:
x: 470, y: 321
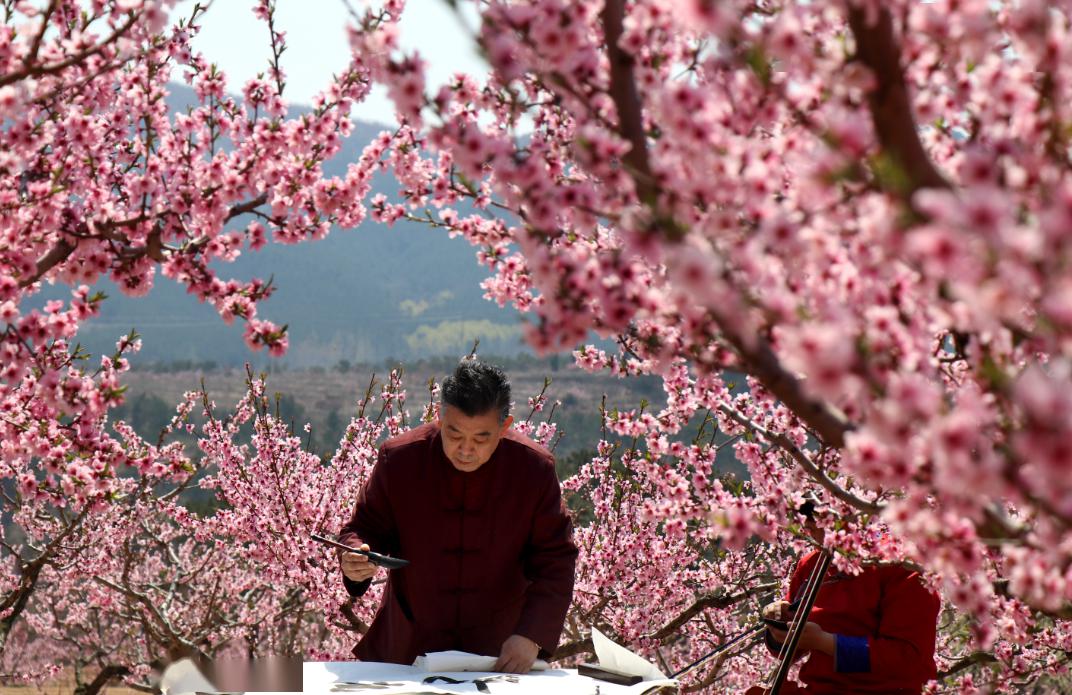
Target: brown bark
x: 565, y: 651
x: 56, y: 255
x: 106, y: 675
x: 890, y: 105
x: 709, y: 601
x: 761, y: 362
x: 627, y: 102
x: 973, y: 659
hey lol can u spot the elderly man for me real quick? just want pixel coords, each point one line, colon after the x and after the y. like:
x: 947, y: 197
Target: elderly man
x: 477, y: 510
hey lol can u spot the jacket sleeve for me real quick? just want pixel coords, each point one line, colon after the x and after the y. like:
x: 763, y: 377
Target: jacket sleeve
x: 548, y: 561
x: 905, y: 639
x: 372, y: 521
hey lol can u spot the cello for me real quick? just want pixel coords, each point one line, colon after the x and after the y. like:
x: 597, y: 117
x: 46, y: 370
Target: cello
x: 788, y: 650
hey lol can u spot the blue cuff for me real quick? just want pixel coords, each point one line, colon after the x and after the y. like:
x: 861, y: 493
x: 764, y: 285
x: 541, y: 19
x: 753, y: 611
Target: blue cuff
x: 853, y: 654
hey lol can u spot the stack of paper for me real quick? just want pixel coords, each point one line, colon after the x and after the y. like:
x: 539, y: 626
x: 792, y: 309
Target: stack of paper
x: 440, y: 662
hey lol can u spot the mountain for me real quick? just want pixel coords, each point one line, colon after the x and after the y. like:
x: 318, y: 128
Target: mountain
x: 361, y: 295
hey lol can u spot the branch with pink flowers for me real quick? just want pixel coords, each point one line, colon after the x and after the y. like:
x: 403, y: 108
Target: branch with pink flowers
x: 32, y: 69
x: 804, y: 461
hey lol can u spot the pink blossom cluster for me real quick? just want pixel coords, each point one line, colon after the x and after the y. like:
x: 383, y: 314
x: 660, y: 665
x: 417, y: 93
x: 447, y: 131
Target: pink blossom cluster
x: 99, y: 179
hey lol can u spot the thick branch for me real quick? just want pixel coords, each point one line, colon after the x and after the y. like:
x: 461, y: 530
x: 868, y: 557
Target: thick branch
x: 973, y: 659
x: 706, y: 601
x: 15, y: 603
x: 248, y: 206
x: 627, y: 101
x: 761, y: 362
x: 889, y: 103
x: 359, y: 625
x: 106, y: 674
x: 56, y: 255
x: 565, y: 651
x: 801, y: 458
x: 35, y: 47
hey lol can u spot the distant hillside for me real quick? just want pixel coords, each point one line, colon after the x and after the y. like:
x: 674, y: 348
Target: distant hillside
x: 361, y: 295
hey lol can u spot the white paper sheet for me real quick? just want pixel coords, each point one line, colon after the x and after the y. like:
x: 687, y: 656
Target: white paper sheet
x: 455, y: 660
x: 329, y: 678
x: 617, y: 658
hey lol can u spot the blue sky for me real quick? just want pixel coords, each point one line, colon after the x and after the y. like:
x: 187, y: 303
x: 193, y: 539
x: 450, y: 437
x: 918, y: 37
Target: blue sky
x: 316, y: 44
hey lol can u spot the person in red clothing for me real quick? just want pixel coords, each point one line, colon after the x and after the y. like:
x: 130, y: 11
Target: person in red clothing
x: 868, y: 633
x: 476, y: 509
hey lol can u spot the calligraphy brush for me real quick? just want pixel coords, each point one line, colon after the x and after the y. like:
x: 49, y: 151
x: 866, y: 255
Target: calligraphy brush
x: 385, y: 561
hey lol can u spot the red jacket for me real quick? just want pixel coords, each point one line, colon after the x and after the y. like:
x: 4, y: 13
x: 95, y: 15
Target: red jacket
x: 491, y: 551
x: 885, y: 622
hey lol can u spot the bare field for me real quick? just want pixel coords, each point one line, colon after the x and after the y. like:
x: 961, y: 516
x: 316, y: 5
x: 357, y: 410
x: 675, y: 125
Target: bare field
x: 322, y: 388
x: 328, y: 398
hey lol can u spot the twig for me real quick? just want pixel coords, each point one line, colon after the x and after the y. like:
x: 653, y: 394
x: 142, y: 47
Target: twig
x: 801, y: 458
x: 713, y: 600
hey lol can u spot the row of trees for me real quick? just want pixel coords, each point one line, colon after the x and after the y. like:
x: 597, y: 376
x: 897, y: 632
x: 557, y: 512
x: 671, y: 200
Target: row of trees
x: 862, y: 207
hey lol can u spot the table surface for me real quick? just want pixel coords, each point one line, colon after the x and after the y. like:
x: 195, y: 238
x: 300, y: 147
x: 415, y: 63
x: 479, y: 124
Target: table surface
x: 371, y: 678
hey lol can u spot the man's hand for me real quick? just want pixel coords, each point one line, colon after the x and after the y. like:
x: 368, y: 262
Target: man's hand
x: 356, y: 567
x: 813, y: 638
x: 517, y: 656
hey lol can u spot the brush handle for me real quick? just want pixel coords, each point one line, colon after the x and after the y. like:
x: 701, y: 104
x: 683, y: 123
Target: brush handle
x: 374, y: 558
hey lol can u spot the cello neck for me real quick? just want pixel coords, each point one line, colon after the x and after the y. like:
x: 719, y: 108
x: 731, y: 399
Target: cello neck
x: 799, y: 620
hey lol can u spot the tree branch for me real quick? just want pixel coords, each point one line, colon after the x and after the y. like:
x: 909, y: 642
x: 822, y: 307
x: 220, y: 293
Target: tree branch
x: 106, y: 674
x: 627, y: 102
x: 347, y: 609
x: 889, y: 103
x: 56, y: 255
x: 248, y: 206
x: 761, y: 362
x: 177, y: 641
x: 153, y: 248
x: 973, y: 659
x: 801, y: 458
x: 565, y: 651
x: 713, y: 600
x: 38, y: 70
x: 15, y: 602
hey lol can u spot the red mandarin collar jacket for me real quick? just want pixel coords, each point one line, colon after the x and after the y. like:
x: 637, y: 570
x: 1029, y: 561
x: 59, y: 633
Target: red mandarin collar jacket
x: 884, y: 620
x: 491, y: 551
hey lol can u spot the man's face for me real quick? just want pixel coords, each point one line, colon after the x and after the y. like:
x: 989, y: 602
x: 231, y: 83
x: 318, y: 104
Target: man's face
x: 468, y: 441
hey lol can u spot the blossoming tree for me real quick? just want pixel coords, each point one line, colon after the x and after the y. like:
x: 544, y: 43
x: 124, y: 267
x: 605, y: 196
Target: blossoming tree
x: 97, y: 179
x: 859, y: 210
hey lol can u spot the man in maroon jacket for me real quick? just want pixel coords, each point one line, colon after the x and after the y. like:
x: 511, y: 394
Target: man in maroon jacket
x: 477, y: 510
